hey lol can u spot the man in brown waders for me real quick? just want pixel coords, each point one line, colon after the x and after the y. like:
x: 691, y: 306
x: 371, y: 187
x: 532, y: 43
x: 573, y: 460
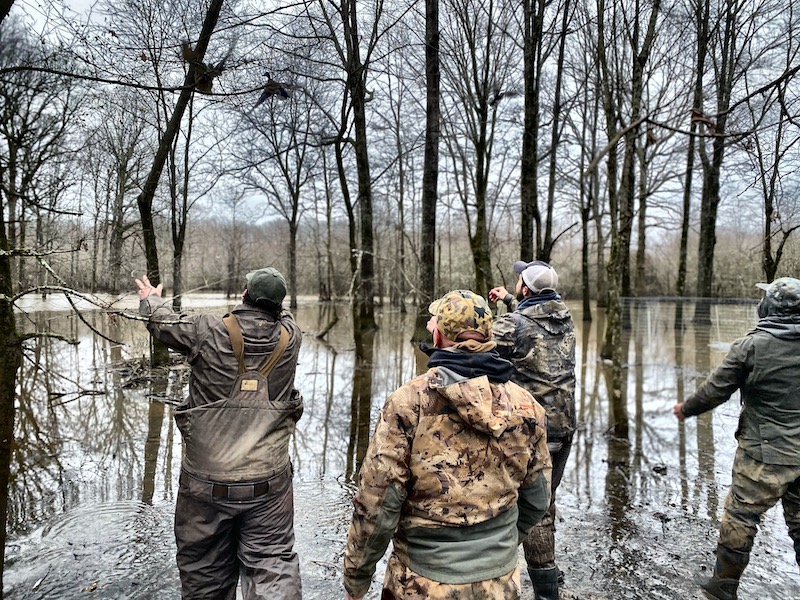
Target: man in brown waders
x: 234, y: 514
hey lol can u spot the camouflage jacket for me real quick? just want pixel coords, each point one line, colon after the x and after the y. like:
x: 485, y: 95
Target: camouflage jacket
x: 764, y: 365
x: 458, y: 472
x: 539, y: 339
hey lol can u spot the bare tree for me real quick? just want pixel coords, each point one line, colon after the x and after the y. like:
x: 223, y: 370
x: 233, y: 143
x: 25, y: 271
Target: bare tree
x: 621, y: 195
x: 476, y: 78
x: 278, y: 160
x: 339, y: 27
x: 38, y: 110
x: 145, y: 198
x: 701, y: 24
x: 533, y: 65
x: 775, y: 125
x: 121, y: 140
x: 430, y: 172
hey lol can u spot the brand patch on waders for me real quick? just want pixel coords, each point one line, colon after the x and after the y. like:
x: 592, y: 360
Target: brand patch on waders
x: 249, y: 385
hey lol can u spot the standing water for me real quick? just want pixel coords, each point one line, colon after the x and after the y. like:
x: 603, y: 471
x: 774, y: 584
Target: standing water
x: 94, y: 474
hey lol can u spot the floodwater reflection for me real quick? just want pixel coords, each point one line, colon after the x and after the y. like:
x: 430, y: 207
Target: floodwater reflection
x: 92, y: 482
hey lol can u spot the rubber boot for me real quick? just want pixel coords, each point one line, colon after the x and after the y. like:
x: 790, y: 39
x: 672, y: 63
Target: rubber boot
x: 724, y: 583
x: 545, y: 583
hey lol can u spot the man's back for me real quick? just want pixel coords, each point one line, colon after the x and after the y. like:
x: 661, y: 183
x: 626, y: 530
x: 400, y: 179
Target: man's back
x: 205, y: 341
x: 539, y: 339
x: 457, y: 471
x: 234, y: 515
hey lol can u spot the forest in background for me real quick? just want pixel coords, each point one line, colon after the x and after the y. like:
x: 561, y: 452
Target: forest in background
x: 386, y: 152
x: 640, y: 134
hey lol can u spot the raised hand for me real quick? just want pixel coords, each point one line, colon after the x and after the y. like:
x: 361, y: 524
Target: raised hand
x: 146, y: 289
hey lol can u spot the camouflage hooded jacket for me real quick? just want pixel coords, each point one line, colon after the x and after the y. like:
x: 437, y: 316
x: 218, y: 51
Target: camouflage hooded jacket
x: 539, y: 339
x: 458, y: 472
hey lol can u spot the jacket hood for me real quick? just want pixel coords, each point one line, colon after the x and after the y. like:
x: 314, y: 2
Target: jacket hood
x: 787, y: 327
x: 484, y: 406
x: 552, y: 315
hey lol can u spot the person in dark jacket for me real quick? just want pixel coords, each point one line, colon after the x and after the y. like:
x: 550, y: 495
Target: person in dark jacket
x: 234, y: 516
x: 538, y: 337
x: 764, y: 366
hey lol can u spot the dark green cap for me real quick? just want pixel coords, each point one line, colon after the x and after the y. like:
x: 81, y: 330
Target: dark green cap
x: 266, y: 285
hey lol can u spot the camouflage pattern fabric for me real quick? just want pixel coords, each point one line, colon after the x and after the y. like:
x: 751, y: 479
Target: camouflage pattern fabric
x: 782, y: 296
x: 763, y: 367
x: 757, y: 487
x: 539, y: 340
x: 460, y: 311
x: 454, y: 457
x: 540, y: 545
x: 401, y: 583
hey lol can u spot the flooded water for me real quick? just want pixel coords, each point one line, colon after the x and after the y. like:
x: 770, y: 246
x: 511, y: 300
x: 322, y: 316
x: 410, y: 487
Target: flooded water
x: 95, y: 471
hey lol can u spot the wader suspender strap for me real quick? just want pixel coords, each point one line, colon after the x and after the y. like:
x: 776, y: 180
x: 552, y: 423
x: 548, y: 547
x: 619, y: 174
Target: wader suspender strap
x: 237, y: 341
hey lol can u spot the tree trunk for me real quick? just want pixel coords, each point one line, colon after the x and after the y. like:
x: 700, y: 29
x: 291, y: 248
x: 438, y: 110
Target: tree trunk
x: 712, y: 169
x: 293, y: 261
x: 10, y: 359
x: 177, y: 276
x: 356, y: 84
x: 701, y: 15
x: 530, y: 216
x: 430, y: 172
x: 613, y: 325
x: 479, y: 240
x: 641, y: 222
x: 145, y: 199
x: 545, y: 252
x: 180, y: 213
x: 116, y: 235
x: 586, y: 213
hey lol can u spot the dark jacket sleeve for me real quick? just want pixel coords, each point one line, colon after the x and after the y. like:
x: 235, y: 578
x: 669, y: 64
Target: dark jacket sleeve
x: 176, y: 330
x: 503, y: 330
x: 724, y: 381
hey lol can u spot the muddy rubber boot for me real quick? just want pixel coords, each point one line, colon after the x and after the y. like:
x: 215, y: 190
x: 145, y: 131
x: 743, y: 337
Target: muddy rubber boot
x: 545, y: 583
x: 724, y: 583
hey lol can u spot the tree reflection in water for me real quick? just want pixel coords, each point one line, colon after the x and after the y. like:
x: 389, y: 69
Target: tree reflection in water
x: 96, y: 455
x: 360, y: 402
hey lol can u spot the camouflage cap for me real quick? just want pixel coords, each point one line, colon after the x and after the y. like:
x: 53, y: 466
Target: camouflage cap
x: 462, y: 310
x: 783, y: 295
x: 267, y: 285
